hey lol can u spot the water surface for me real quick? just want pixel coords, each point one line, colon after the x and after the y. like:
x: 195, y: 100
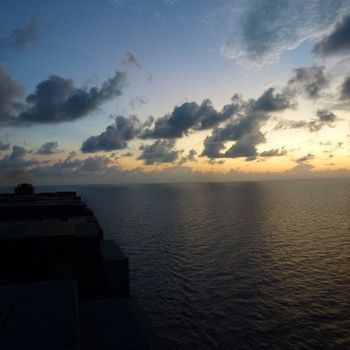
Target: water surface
x: 260, y: 265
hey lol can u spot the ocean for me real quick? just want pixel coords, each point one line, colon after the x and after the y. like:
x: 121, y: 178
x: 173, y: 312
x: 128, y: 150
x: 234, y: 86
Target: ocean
x: 254, y: 265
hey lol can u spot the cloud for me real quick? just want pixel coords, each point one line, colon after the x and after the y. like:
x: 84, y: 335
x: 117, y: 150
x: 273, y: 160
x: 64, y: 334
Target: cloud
x: 20, y: 37
x: 73, y: 167
x: 97, y: 163
x: 245, y: 129
x: 273, y: 153
x: 306, y: 158
x: 161, y: 151
x: 191, y: 116
x: 324, y: 117
x: 10, y: 92
x: 309, y: 81
x: 191, y: 157
x: 4, y: 146
x: 270, y: 101
x: 115, y: 136
x: 262, y: 30
x: 215, y: 162
x: 138, y: 101
x: 128, y: 154
x: 242, y: 121
x: 16, y: 161
x: 58, y: 100
x: 49, y: 148
x: 130, y: 60
x: 303, y: 166
x: 345, y: 90
x: 55, y: 100
x: 337, y: 42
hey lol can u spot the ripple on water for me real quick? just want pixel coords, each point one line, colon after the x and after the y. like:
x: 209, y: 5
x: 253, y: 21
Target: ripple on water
x: 236, y: 266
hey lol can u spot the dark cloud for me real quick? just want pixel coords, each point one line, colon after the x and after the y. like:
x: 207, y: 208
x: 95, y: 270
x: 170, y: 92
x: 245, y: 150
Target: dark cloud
x: 49, y: 148
x: 273, y: 153
x: 306, y: 158
x: 16, y: 160
x: 20, y: 37
x: 72, y: 166
x: 245, y: 129
x: 131, y: 60
x: 244, y: 120
x: 128, y: 154
x: 97, y: 163
x: 345, y: 89
x: 270, y: 101
x: 303, y: 166
x: 291, y: 124
x: 262, y: 30
x: 309, y: 81
x: 191, y: 116
x: 324, y: 117
x: 57, y: 100
x: 191, y: 157
x: 4, y: 146
x: 215, y: 162
x: 337, y: 42
x: 10, y: 92
x: 161, y: 151
x: 115, y: 136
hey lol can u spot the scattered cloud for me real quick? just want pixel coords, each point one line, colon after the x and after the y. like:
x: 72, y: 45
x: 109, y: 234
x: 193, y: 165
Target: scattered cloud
x: 128, y: 154
x: 191, y: 157
x: 215, y: 161
x: 57, y: 100
x: 20, y: 37
x: 303, y: 167
x: 270, y: 101
x: 138, y: 101
x: 96, y: 163
x: 324, y: 117
x: 309, y: 81
x: 130, y: 60
x: 245, y: 129
x: 72, y: 166
x: 273, y: 153
x: 345, y: 90
x: 114, y: 137
x: 305, y: 158
x: 10, y: 92
x: 161, y: 151
x: 191, y: 116
x: 262, y: 30
x: 4, y: 146
x: 49, y: 148
x: 337, y: 42
x: 16, y: 160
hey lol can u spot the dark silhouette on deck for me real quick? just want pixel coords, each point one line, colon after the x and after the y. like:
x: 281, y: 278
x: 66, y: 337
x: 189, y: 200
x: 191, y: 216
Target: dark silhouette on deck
x: 62, y: 285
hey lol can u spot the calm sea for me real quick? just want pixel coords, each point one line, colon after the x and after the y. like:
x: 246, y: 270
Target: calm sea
x: 259, y: 265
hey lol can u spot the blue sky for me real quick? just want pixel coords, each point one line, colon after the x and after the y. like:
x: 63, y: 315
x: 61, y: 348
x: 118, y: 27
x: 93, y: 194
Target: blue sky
x: 174, y: 54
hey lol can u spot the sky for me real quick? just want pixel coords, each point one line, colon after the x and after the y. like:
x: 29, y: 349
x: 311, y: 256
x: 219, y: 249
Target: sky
x: 123, y: 91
